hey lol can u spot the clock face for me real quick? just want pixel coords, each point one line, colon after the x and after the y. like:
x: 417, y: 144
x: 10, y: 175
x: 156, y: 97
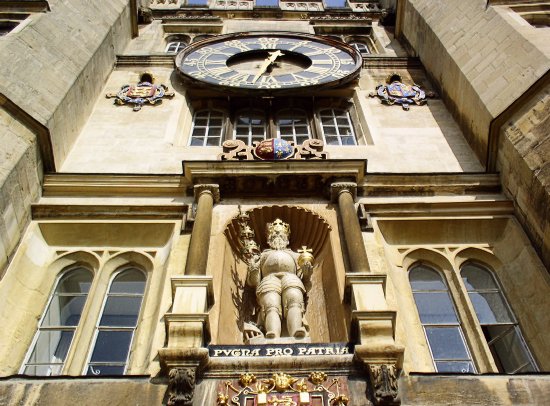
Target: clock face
x: 269, y: 62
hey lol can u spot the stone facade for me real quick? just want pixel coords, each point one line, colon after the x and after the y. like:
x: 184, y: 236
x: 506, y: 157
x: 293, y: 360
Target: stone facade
x: 162, y: 224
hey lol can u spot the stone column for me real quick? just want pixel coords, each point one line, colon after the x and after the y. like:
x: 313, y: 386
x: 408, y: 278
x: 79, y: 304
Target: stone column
x: 197, y: 256
x: 345, y: 193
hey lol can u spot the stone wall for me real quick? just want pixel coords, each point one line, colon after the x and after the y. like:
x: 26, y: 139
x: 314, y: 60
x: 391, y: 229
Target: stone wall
x: 482, y: 58
x: 20, y: 174
x: 523, y: 161
x: 53, y: 68
x: 56, y: 65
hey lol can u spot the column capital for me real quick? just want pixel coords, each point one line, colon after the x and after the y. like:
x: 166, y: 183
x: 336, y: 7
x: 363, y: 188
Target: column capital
x: 212, y: 188
x: 337, y: 188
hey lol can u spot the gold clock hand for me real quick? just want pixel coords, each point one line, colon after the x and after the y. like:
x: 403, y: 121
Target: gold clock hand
x: 268, y: 61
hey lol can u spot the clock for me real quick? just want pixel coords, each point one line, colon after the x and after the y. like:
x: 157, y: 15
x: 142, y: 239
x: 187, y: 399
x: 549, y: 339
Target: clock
x: 269, y: 62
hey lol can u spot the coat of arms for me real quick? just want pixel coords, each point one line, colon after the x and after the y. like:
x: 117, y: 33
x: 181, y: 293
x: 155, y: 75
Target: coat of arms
x: 141, y: 93
x: 397, y: 92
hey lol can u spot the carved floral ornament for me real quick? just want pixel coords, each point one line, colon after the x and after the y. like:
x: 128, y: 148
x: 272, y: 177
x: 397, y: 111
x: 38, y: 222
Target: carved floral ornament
x: 273, y: 149
x: 143, y: 92
x: 397, y: 92
x: 282, y: 389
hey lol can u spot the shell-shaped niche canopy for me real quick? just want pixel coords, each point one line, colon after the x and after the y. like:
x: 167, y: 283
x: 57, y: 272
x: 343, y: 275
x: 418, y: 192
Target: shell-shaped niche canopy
x: 306, y: 227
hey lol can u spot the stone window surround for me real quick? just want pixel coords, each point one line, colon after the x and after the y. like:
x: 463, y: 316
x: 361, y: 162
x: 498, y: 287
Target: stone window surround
x: 478, y: 346
x: 76, y: 360
x: 312, y: 108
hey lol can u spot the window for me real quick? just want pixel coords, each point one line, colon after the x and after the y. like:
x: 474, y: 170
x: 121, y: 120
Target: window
x: 207, y: 128
x: 292, y: 125
x: 117, y: 324
x: 439, y: 321
x: 337, y: 128
x: 497, y: 321
x: 175, y: 47
x: 250, y: 126
x: 336, y: 3
x: 267, y: 3
x: 58, y: 324
x: 363, y: 49
x: 197, y: 3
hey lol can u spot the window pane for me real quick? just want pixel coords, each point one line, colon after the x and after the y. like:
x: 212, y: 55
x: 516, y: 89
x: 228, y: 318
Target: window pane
x: 329, y: 130
x: 215, y: 122
x: 455, y: 366
x: 348, y: 141
x: 51, y: 347
x: 446, y: 343
x: 213, y: 141
x: 76, y: 281
x: 199, y: 132
x: 201, y: 122
x: 331, y: 140
x: 435, y: 308
x: 43, y: 370
x: 98, y: 370
x: 508, y: 348
x: 112, y: 346
x: 197, y: 141
x: 129, y: 281
x: 121, y: 311
x: 477, y: 278
x: 426, y: 279
x: 64, y: 311
x: 490, y: 308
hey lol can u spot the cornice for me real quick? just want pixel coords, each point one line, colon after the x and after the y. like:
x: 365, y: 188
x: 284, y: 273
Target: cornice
x: 383, y: 62
x: 162, y: 60
x: 92, y: 184
x: 272, y: 178
x: 108, y: 212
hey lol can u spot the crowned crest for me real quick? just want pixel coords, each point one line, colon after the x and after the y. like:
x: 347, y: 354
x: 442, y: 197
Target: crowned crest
x: 141, y: 93
x: 278, y: 227
x: 397, y: 92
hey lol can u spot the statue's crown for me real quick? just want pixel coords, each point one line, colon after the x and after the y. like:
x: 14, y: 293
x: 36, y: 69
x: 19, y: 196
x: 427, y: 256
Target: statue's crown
x: 278, y: 226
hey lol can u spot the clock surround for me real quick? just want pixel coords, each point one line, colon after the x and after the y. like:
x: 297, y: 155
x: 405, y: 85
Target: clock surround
x: 268, y: 63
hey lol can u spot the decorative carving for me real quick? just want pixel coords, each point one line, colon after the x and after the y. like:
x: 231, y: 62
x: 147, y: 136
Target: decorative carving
x: 273, y: 149
x: 279, y: 276
x: 142, y: 92
x: 211, y: 188
x: 282, y: 389
x: 342, y: 187
x: 397, y: 92
x: 181, y: 386
x: 311, y: 149
x: 384, y: 381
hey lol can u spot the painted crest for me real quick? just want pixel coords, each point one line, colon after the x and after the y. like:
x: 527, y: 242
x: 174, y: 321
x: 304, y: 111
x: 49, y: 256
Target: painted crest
x: 141, y: 93
x: 397, y: 92
x: 274, y: 149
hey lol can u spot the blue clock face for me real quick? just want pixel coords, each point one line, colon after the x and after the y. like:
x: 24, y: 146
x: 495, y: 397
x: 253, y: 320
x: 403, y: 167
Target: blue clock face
x: 269, y: 62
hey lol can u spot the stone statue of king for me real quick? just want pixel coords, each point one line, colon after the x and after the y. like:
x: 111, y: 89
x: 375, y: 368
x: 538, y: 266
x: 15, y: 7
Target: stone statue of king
x: 278, y: 274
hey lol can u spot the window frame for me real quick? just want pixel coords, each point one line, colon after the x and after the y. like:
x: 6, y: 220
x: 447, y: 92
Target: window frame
x: 319, y: 119
x: 75, y: 329
x: 513, y: 325
x: 459, y: 321
x: 223, y: 128
x: 97, y: 326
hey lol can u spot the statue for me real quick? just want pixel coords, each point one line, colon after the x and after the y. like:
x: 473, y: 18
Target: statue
x: 279, y: 276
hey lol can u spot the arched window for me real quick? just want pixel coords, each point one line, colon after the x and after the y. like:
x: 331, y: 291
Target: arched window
x: 362, y: 48
x: 117, y: 324
x: 337, y: 127
x: 439, y: 320
x: 58, y: 324
x: 207, y: 128
x: 497, y: 321
x: 292, y: 125
x: 250, y: 126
